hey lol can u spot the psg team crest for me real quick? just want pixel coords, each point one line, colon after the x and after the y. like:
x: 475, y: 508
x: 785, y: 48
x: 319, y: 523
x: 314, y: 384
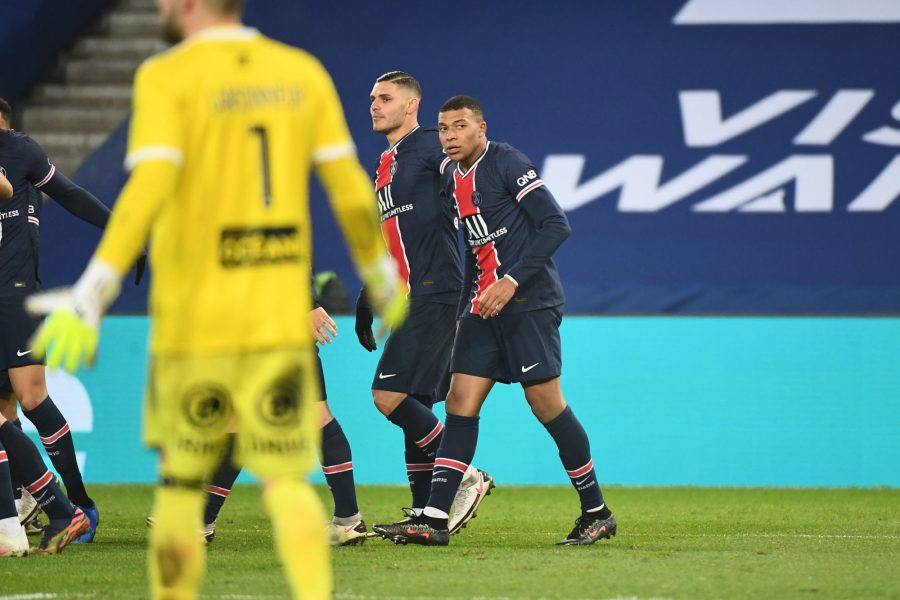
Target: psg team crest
x: 476, y: 198
x: 393, y: 168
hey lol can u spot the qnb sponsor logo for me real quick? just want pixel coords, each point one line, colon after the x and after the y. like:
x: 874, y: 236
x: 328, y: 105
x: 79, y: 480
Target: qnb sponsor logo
x: 638, y: 178
x: 70, y: 395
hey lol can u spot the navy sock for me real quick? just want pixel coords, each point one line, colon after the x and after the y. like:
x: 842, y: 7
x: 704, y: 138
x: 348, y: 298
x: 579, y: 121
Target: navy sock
x: 337, y: 464
x: 418, y: 424
x: 16, y: 484
x: 25, y: 461
x: 57, y: 439
x: 453, y: 458
x: 7, y: 502
x: 575, y: 453
x: 222, y: 481
x: 419, y: 465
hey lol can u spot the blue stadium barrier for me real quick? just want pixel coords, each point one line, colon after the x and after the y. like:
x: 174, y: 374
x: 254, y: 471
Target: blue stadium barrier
x: 666, y: 401
x: 32, y: 32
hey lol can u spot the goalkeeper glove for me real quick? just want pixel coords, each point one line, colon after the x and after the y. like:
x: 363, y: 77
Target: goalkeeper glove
x: 68, y: 336
x: 364, y: 319
x: 386, y: 291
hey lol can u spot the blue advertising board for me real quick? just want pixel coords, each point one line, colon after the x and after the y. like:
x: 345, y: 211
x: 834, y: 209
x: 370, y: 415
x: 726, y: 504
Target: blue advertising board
x: 665, y: 400
x: 713, y: 156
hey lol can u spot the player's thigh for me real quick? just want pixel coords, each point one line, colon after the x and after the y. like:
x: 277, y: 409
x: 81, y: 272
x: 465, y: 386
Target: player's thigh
x: 531, y: 346
x: 545, y: 398
x: 279, y: 414
x: 188, y: 411
x: 467, y: 394
x: 477, y: 350
x: 416, y: 356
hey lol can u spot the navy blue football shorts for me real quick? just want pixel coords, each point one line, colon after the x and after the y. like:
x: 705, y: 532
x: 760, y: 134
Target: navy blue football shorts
x: 416, y: 356
x: 17, y: 327
x: 5, y: 385
x: 513, y: 347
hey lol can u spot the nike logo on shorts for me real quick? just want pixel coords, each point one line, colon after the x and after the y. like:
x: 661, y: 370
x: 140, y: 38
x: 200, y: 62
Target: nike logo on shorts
x: 526, y: 369
x: 383, y: 376
x: 20, y: 353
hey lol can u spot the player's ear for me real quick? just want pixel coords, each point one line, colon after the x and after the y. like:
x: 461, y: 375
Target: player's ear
x: 412, y: 106
x: 482, y: 128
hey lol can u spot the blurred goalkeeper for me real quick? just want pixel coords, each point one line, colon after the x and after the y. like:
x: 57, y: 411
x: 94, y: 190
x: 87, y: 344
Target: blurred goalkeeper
x: 225, y: 130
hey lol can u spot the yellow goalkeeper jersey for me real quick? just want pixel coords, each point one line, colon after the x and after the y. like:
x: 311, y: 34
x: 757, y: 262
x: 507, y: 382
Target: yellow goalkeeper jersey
x: 245, y: 118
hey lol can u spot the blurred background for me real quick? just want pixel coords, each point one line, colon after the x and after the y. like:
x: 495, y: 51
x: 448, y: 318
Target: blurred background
x: 730, y: 168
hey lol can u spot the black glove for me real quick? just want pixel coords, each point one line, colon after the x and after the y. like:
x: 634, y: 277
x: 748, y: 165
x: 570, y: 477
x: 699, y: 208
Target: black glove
x: 139, y: 267
x: 364, y: 319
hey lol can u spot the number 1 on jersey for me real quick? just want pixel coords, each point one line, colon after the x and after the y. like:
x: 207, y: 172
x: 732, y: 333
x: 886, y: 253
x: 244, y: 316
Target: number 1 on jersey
x: 264, y: 157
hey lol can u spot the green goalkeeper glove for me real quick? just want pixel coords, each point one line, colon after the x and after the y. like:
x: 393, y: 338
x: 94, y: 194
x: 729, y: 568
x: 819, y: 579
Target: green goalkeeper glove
x: 69, y: 335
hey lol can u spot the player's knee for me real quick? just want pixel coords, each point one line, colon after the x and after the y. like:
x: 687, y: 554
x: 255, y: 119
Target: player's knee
x: 32, y: 395
x: 385, y: 401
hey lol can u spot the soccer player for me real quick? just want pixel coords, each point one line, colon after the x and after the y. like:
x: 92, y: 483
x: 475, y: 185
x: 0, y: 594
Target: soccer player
x: 417, y: 223
x: 346, y: 527
x: 226, y: 127
x: 19, y: 458
x: 510, y: 312
x: 30, y: 171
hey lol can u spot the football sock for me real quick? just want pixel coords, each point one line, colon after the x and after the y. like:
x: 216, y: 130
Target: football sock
x: 302, y: 544
x: 7, y: 501
x: 601, y: 511
x: 575, y: 453
x: 57, y: 439
x: 222, y: 481
x: 337, y: 464
x: 16, y: 484
x: 418, y: 470
x: 177, y: 554
x: 453, y: 458
x: 418, y: 424
x: 25, y: 461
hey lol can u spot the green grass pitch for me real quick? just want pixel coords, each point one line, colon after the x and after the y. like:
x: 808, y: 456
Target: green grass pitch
x: 686, y: 543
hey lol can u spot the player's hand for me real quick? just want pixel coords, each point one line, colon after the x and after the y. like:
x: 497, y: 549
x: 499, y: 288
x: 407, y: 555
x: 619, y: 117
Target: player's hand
x: 323, y: 326
x: 67, y: 337
x: 387, y: 293
x: 364, y: 319
x: 496, y: 297
x: 139, y: 267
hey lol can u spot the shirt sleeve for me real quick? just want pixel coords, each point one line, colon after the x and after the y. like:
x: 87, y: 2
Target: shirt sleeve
x: 331, y: 138
x: 39, y: 169
x: 156, y: 131
x: 540, y: 207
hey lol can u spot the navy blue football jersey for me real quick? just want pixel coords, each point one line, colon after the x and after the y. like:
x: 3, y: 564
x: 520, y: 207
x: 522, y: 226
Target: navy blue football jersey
x: 25, y: 164
x: 512, y: 226
x: 417, y: 218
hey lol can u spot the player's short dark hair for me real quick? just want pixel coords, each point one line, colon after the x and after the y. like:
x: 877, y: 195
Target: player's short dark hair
x: 403, y: 79
x: 461, y: 103
x: 5, y: 110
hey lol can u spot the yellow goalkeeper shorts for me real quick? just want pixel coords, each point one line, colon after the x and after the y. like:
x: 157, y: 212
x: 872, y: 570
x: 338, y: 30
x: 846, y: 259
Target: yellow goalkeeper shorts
x: 269, y: 397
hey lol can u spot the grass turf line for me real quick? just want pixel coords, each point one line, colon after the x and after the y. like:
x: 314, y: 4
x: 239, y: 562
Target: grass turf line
x: 690, y: 543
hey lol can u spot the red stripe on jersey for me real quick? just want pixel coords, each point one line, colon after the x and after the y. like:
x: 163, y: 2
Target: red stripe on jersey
x: 40, y: 483
x: 485, y: 255
x: 451, y: 464
x: 347, y: 466
x: 431, y: 435
x: 582, y: 470
x: 219, y: 491
x: 52, y: 438
x: 4, y: 459
x: 390, y: 229
x: 419, y: 467
x: 383, y: 175
x: 34, y: 220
